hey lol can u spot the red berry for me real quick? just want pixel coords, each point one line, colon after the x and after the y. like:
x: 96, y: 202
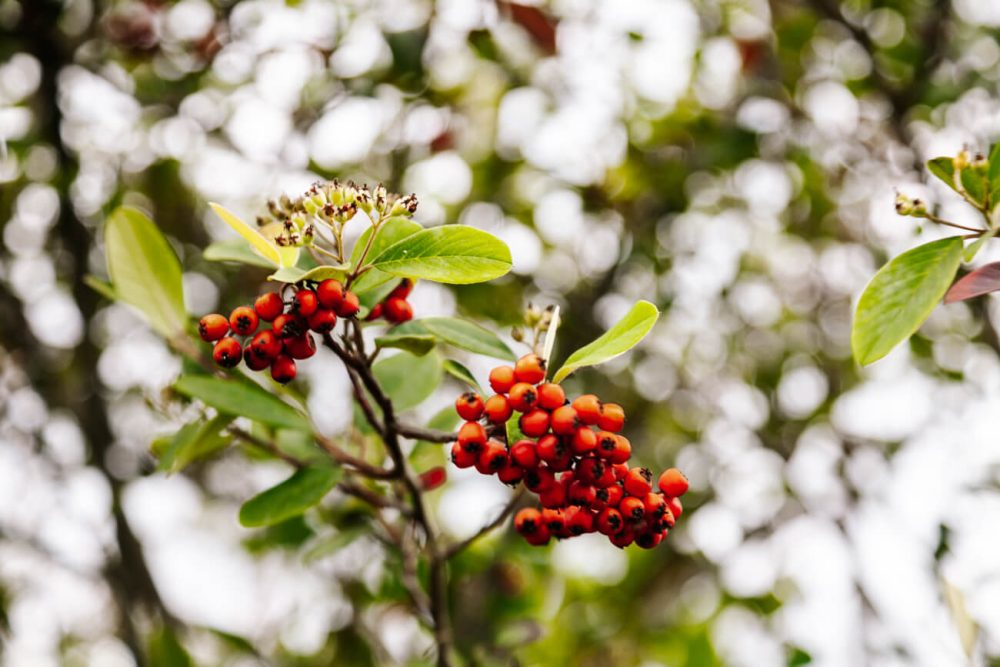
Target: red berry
x: 265, y: 345
x: 610, y: 496
x: 581, y: 522
x: 584, y: 441
x: 675, y: 507
x: 588, y: 408
x: 539, y: 538
x: 535, y: 423
x: 511, y: 473
x: 523, y: 396
x: 673, y: 483
x: 667, y: 519
x: 472, y: 436
x: 611, y: 417
x: 591, y: 469
x: 638, y: 482
x: 492, y: 459
x: 554, y: 520
x: 243, y: 320
x: 301, y: 347
x: 330, y: 293
x: 462, y: 457
x: 498, y: 409
x: 527, y: 521
x: 581, y: 493
x: 550, y: 448
x: 213, y: 327
x: 288, y: 326
x: 469, y: 406
x: 349, y: 306
x: 403, y: 289
x: 539, y: 480
x: 622, y: 539
x: 283, y: 369
x: 323, y: 321
x: 632, y: 509
x: 305, y: 302
x: 269, y: 306
x: 524, y: 453
x: 433, y: 478
x: 614, y: 448
x: 374, y: 313
x: 654, y: 505
x: 609, y: 521
x: 254, y: 361
x: 227, y: 353
x: 502, y: 379
x: 565, y: 421
x: 397, y: 310
x: 530, y: 368
x: 648, y: 540
x: 620, y: 470
x: 554, y: 496
x: 550, y: 396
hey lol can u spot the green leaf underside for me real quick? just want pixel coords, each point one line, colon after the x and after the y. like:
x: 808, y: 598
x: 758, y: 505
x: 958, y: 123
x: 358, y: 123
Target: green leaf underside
x: 453, y: 254
x: 305, y: 488
x: 105, y: 289
x: 195, y: 441
x: 242, y: 399
x: 462, y: 334
x: 144, y: 270
x: 390, y: 232
x: 620, y: 338
x: 415, y: 344
x: 461, y: 373
x: 514, y: 429
x: 408, y: 380
x: 294, y: 274
x: 901, y: 296
x: 235, y: 250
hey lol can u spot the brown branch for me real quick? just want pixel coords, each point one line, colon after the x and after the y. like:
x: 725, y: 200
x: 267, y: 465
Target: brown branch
x: 428, y: 434
x: 512, y: 505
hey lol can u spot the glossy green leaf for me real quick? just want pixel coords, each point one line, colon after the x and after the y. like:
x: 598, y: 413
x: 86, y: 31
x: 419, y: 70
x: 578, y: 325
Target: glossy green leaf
x: 901, y: 296
x: 242, y: 399
x: 461, y: 373
x: 235, y: 250
x: 390, y: 232
x: 195, y: 441
x: 944, y: 169
x: 408, y: 380
x: 278, y: 257
x: 467, y: 336
x: 514, y: 428
x: 973, y: 248
x: 620, y: 338
x: 144, y: 270
x: 305, y: 488
x: 453, y: 254
x: 416, y: 344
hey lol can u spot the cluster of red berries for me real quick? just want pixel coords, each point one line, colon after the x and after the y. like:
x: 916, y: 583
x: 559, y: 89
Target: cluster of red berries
x: 394, y: 308
x: 572, y: 457
x: 289, y: 338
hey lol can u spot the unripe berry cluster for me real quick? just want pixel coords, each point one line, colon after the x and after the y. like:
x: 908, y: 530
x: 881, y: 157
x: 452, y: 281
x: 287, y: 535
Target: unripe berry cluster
x: 572, y: 457
x: 394, y: 308
x: 289, y: 338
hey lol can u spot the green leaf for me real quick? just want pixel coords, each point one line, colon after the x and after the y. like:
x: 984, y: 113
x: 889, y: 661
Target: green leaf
x: 973, y: 248
x: 165, y: 650
x: 408, y: 380
x: 235, y: 250
x: 975, y: 181
x: 514, y: 428
x: 332, y: 543
x: 292, y: 497
x: 144, y: 270
x: 294, y: 274
x: 105, y: 289
x: 242, y: 399
x: 944, y: 169
x: 288, y: 274
x: 390, y: 232
x: 467, y: 336
x: 416, y: 344
x: 194, y: 441
x: 278, y: 257
x: 453, y: 254
x: 901, y: 296
x: 617, y: 340
x: 461, y: 373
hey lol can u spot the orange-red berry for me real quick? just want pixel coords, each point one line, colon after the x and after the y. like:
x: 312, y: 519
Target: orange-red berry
x: 554, y: 496
x: 609, y: 521
x: 265, y: 345
x: 539, y: 538
x: 523, y: 397
x: 288, y: 326
x: 269, y: 306
x: 330, y: 293
x: 283, y: 369
x: 472, y: 435
x: 243, y: 320
x: 397, y: 310
x: 301, y: 347
x: 584, y: 441
x: 469, y: 406
x: 323, y: 321
x: 433, y: 478
x: 550, y: 448
x: 492, y: 459
x: 654, y: 505
x: 348, y: 306
x: 648, y: 540
x: 554, y: 520
x: 673, y: 483
x: 588, y: 408
x: 580, y: 522
x: 550, y: 396
x: 611, y: 495
x: 213, y: 327
x: 253, y: 361
x: 632, y: 509
x: 511, y: 473
x: 622, y: 450
x: 498, y: 409
x: 502, y: 379
x: 227, y: 353
x: 622, y: 538
x: 611, y: 417
x: 403, y: 289
x: 530, y: 368
x: 305, y: 302
x: 581, y: 493
x: 565, y: 421
x: 462, y: 457
x: 539, y: 480
x: 675, y: 507
x: 374, y: 313
x: 527, y: 521
x: 524, y: 453
x: 534, y: 423
x: 638, y: 482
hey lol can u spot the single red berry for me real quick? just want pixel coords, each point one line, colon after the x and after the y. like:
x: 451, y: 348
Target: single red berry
x: 462, y: 457
x: 611, y: 417
x: 554, y: 496
x: 254, y: 361
x: 673, y: 483
x: 283, y: 369
x: 632, y: 509
x: 539, y: 480
x: 588, y: 408
x: 638, y: 482
x: 550, y: 447
x: 622, y: 450
x: 305, y: 302
x: 433, y: 478
x: 349, y: 306
x: 213, y: 327
x: 330, y: 293
x: 591, y: 469
x: 527, y: 521
x: 654, y: 505
x: 243, y: 320
x: 511, y: 474
x: 397, y: 310
x: 606, y: 444
x: 550, y: 396
x: 620, y: 470
x: 472, y: 435
x: 581, y: 522
x: 523, y: 453
x: 581, y: 493
x: 667, y: 519
x: 539, y: 538
x: 288, y: 326
x: 498, y: 409
x: 269, y: 306
x: 523, y: 397
x: 402, y: 290
x: 469, y: 406
x: 530, y: 368
x: 227, y: 353
x: 492, y: 459
x: 374, y: 313
x: 565, y: 421
x: 554, y: 520
x: 610, y: 496
x: 622, y: 538
x: 584, y: 441
x: 675, y: 507
x: 502, y: 379
x: 535, y: 423
x: 301, y: 347
x: 609, y: 521
x: 265, y: 345
x: 323, y: 321
x: 648, y: 540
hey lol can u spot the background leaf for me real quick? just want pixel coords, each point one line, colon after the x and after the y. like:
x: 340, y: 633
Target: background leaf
x: 195, y: 441
x: 266, y: 248
x: 901, y: 296
x: 620, y: 338
x: 242, y: 399
x: 461, y: 373
x: 454, y: 254
x: 408, y: 380
x: 460, y: 333
x: 235, y: 250
x: 416, y: 344
x: 144, y: 270
x: 292, y: 497
x: 983, y: 280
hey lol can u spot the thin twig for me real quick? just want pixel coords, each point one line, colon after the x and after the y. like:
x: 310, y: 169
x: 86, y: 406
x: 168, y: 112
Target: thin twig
x: 458, y: 547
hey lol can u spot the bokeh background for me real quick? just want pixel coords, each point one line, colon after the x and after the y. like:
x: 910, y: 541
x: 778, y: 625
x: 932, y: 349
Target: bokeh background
x: 733, y: 161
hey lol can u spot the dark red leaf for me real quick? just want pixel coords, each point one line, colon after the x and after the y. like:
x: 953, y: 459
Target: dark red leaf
x: 981, y: 281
